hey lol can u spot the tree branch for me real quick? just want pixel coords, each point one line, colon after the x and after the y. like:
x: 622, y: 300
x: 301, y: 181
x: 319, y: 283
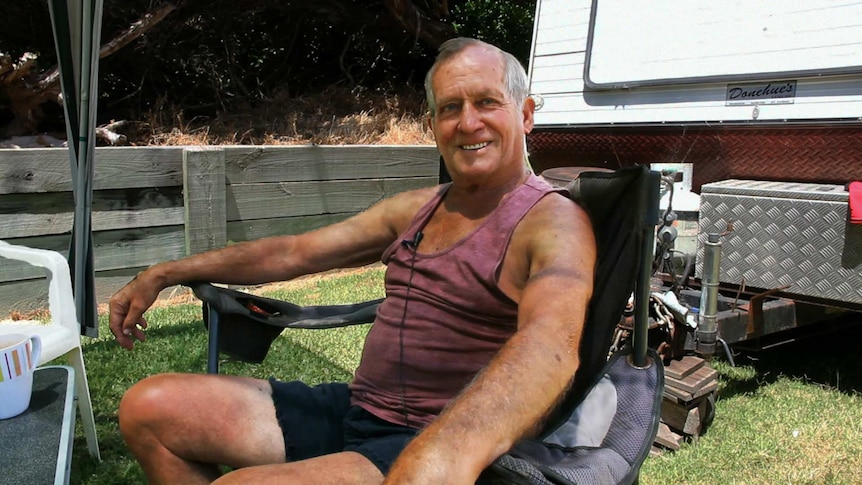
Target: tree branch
x: 26, y: 91
x: 432, y: 32
x: 136, y: 30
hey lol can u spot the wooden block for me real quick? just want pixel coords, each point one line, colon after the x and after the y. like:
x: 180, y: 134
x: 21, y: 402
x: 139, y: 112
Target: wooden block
x: 683, y: 397
x: 677, y: 395
x: 703, y: 391
x: 693, y: 383
x: 682, y: 418
x: 680, y: 369
x: 668, y: 438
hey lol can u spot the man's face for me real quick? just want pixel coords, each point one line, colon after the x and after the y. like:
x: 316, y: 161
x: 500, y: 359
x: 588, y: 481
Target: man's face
x: 478, y: 129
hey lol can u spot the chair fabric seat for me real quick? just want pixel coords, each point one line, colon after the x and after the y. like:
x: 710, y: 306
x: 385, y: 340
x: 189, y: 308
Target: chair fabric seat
x: 582, y: 466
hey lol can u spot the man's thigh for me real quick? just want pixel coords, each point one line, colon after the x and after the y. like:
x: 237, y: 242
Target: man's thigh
x: 347, y: 468
x: 208, y: 418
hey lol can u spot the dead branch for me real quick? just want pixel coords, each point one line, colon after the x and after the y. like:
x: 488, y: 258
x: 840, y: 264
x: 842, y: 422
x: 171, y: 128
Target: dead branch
x: 432, y: 32
x: 111, y: 137
x: 22, y: 69
x: 27, y: 90
x: 137, y: 29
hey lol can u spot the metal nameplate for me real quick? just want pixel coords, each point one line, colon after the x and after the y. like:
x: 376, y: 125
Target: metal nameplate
x: 749, y: 94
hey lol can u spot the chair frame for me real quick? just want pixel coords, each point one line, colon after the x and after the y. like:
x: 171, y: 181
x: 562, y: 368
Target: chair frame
x: 636, y: 252
x: 61, y: 336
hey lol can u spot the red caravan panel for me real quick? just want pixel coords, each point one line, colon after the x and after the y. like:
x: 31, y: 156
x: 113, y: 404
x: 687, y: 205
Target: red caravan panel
x: 819, y: 155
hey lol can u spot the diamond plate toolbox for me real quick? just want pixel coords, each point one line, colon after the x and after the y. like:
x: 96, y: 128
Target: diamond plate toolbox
x: 784, y: 234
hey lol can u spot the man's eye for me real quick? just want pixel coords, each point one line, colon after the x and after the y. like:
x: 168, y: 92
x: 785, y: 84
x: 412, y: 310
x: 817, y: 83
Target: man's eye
x: 449, y: 108
x: 488, y: 102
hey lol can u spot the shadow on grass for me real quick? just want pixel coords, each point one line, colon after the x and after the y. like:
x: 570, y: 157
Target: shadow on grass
x: 830, y: 359
x: 176, y: 347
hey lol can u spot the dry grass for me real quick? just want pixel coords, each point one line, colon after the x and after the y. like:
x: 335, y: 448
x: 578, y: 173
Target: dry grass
x: 42, y: 314
x: 335, y: 116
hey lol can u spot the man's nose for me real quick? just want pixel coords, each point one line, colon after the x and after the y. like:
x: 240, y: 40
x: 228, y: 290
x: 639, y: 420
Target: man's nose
x: 470, y: 119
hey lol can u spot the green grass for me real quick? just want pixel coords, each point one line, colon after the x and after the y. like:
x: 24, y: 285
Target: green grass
x: 176, y: 342
x: 794, y: 415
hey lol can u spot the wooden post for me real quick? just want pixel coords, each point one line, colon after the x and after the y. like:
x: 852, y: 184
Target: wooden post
x: 204, y: 199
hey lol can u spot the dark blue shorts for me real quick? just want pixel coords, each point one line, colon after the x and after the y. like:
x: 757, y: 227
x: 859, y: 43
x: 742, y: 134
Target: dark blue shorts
x: 320, y: 420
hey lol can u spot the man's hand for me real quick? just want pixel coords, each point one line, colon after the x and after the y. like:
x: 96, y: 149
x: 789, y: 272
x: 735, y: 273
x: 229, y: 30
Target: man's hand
x: 127, y: 308
x: 431, y: 462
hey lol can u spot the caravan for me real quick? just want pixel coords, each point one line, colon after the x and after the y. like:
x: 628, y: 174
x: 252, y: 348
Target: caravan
x: 754, y: 112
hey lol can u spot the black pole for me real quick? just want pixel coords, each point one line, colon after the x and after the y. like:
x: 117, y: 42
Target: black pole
x: 212, y: 316
x: 648, y: 200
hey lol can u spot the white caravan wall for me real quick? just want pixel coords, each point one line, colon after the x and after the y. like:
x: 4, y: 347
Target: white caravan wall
x: 697, y: 61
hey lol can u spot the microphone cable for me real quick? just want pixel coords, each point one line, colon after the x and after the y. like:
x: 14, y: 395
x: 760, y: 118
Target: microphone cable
x: 414, y: 245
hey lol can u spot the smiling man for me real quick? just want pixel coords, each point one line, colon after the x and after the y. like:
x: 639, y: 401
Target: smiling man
x: 487, y: 284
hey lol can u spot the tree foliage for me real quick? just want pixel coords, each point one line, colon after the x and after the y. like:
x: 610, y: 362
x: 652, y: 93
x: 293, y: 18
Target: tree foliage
x: 508, y: 25
x: 205, y: 56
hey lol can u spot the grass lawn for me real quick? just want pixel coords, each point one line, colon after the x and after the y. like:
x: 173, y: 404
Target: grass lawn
x: 794, y: 415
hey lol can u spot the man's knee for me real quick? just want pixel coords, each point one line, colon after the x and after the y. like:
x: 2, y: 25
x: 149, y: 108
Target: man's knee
x: 147, y: 402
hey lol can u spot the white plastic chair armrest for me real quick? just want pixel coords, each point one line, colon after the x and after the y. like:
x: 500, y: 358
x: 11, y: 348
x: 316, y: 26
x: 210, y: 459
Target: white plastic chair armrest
x: 60, y: 299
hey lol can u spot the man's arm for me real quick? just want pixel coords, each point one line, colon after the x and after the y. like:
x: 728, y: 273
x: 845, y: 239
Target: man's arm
x: 509, y: 399
x: 354, y: 242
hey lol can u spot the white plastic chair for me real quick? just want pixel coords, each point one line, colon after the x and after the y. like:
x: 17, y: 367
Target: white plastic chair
x: 62, y: 335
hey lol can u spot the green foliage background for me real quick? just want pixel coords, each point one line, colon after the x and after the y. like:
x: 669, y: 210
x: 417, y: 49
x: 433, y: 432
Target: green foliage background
x: 508, y: 25
x: 206, y: 57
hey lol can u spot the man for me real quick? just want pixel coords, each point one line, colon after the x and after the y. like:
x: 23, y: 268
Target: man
x: 487, y: 282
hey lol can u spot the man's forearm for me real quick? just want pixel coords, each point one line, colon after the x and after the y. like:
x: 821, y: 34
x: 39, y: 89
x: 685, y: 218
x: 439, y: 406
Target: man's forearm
x: 244, y: 263
x: 512, y: 396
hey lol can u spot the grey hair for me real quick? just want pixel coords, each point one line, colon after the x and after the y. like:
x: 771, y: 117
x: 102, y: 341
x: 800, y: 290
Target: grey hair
x: 515, y: 79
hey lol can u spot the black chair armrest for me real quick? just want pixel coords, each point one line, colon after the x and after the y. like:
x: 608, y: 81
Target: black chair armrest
x: 244, y: 326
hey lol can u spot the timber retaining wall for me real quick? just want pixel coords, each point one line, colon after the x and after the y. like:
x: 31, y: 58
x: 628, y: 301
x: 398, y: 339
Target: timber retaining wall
x: 152, y: 204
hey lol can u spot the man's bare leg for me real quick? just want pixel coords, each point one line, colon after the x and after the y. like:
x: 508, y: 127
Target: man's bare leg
x: 178, y: 426
x: 348, y: 468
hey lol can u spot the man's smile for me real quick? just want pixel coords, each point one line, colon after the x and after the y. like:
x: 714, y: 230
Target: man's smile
x: 477, y: 146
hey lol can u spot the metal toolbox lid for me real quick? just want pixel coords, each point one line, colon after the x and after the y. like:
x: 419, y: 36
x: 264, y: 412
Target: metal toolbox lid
x: 784, y: 190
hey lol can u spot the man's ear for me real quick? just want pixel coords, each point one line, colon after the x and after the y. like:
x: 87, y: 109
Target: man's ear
x: 430, y: 121
x: 528, y: 110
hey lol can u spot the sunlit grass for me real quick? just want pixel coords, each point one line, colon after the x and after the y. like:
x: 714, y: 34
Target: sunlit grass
x: 792, y: 416
x: 176, y: 342
x: 335, y: 116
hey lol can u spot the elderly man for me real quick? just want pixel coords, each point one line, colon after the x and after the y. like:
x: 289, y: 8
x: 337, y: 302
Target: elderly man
x: 487, y: 283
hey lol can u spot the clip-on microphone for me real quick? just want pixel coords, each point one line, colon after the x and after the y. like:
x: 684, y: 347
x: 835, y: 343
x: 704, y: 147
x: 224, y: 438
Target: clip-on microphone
x: 417, y: 238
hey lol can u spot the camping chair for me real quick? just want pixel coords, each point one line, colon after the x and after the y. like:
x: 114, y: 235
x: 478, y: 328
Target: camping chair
x: 62, y: 335
x: 606, y: 424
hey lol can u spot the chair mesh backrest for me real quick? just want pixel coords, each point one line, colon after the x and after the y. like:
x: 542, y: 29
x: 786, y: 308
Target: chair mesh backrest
x: 613, y: 202
x: 617, y: 459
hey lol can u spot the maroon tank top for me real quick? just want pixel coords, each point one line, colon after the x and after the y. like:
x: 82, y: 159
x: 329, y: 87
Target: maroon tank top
x: 444, y: 316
